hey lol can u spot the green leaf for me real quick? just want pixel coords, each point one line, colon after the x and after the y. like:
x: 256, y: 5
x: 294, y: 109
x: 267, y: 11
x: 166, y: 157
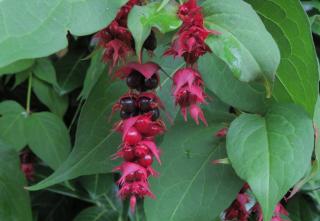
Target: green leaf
x: 97, y: 214
x: 12, y: 121
x: 48, y: 138
x: 190, y: 186
x: 20, y: 78
x: 315, y: 24
x: 98, y: 184
x: 297, y: 76
x: 219, y: 79
x: 243, y: 43
x: 71, y: 70
x: 15, y: 202
x: 44, y: 70
x: 300, y: 208
x: 95, y: 70
x: 45, y: 25
x: 142, y: 18
x: 49, y: 97
x: 17, y: 66
x: 271, y: 153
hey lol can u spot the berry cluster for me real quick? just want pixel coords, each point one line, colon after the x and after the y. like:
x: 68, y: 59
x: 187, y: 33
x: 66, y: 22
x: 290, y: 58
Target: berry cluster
x: 190, y: 44
x: 139, y: 124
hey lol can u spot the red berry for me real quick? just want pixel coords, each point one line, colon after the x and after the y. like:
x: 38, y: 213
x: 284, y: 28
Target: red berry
x: 130, y: 177
x: 141, y: 151
x: 146, y: 160
x: 143, y: 125
x: 132, y: 137
x: 128, y: 153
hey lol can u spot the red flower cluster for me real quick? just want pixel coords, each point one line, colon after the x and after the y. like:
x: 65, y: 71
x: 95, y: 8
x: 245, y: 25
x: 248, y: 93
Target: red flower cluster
x: 190, y: 40
x: 139, y: 110
x: 188, y: 93
x: 116, y: 39
x: 239, y: 211
x: 190, y: 44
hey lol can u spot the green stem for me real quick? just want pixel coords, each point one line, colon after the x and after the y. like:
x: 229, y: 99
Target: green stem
x: 29, y: 93
x: 181, y: 2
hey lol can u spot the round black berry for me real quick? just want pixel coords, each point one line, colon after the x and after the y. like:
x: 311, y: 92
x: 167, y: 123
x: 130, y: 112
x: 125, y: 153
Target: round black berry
x: 144, y: 104
x: 155, y: 114
x: 152, y: 82
x: 151, y: 42
x: 135, y: 80
x: 125, y: 115
x: 128, y: 104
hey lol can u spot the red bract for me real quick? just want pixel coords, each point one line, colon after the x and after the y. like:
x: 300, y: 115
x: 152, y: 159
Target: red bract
x: 188, y: 93
x: 222, y: 133
x: 147, y: 70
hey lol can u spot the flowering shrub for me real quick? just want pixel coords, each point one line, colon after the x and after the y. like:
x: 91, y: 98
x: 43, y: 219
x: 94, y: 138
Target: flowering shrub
x: 90, y: 98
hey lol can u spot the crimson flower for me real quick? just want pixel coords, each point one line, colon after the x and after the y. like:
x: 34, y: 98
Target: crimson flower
x: 188, y: 93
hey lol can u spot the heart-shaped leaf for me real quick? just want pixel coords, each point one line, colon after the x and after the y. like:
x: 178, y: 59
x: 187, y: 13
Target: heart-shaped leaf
x: 271, y: 153
x: 243, y: 43
x: 297, y: 76
x: 38, y: 28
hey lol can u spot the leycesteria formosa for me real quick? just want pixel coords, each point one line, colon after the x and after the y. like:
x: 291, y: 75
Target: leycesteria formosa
x: 189, y: 43
x: 140, y: 107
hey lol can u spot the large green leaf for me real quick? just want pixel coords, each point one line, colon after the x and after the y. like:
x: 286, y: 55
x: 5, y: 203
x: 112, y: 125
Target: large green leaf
x: 190, y: 187
x: 271, y: 153
x: 297, y: 75
x: 97, y: 214
x: 219, y: 79
x: 30, y: 29
x: 48, y: 138
x: 243, y: 43
x: 12, y: 121
x: 15, y: 202
x: 142, y: 18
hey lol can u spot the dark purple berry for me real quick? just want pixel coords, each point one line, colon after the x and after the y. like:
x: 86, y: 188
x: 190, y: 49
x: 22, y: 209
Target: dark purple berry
x: 151, y: 42
x: 151, y: 83
x: 144, y: 104
x: 128, y: 104
x: 155, y: 114
x: 135, y: 80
